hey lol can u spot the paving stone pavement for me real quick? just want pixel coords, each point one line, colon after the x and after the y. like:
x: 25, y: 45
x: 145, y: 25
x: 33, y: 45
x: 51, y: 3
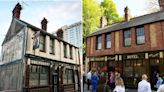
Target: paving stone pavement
x: 127, y: 90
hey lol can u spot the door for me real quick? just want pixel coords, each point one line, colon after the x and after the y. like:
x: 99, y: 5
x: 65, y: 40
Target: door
x: 154, y: 69
x: 55, y: 82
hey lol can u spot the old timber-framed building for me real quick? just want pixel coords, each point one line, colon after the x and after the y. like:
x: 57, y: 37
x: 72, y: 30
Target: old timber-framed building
x: 34, y: 60
x: 132, y: 47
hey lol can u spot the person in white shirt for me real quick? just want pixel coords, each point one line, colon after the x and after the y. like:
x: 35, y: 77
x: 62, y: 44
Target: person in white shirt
x: 144, y: 86
x: 89, y: 79
x: 161, y: 88
x: 119, y: 85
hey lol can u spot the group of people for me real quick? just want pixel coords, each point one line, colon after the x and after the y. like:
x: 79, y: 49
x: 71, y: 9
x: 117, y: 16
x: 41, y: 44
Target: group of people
x: 144, y: 85
x: 101, y: 82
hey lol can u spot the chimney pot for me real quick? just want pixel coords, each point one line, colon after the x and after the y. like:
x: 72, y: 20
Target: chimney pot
x: 44, y: 24
x: 17, y: 11
x: 126, y: 11
x: 161, y: 5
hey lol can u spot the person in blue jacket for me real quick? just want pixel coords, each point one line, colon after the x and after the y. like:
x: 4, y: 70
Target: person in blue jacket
x: 94, y: 81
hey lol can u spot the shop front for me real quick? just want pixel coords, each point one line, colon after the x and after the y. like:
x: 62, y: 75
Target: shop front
x: 131, y: 66
x: 51, y: 76
x: 134, y: 65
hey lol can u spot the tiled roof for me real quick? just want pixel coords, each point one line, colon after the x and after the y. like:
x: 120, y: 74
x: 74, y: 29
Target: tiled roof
x: 145, y: 19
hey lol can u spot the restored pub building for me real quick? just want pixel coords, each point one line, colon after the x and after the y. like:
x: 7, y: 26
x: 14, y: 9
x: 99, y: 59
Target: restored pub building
x: 34, y: 60
x: 132, y: 47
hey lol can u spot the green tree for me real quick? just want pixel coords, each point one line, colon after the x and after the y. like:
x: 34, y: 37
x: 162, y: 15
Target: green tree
x: 91, y: 17
x: 110, y: 11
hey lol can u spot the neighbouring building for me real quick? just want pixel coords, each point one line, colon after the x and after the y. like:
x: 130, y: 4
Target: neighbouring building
x: 72, y: 34
x: 34, y: 60
x: 132, y: 47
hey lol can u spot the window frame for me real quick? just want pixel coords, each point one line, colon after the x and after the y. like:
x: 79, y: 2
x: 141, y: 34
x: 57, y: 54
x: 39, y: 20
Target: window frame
x: 71, y: 51
x: 38, y: 71
x: 137, y: 36
x: 126, y: 30
x: 97, y: 42
x: 40, y: 42
x: 65, y: 50
x: 51, y: 46
x: 107, y: 40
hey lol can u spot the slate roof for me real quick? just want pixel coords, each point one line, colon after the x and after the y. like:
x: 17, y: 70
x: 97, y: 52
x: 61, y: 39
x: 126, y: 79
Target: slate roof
x: 145, y: 19
x: 35, y: 29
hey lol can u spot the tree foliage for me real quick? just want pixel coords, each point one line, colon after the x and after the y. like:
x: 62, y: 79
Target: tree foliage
x: 110, y: 11
x: 91, y: 16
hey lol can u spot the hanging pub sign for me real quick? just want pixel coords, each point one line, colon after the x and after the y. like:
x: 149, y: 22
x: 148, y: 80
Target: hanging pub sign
x: 111, y: 58
x: 153, y: 54
x: 36, y: 39
x: 134, y: 56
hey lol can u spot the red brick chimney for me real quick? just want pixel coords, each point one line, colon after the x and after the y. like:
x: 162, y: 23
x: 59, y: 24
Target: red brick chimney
x: 126, y: 16
x: 44, y: 24
x: 161, y: 5
x: 17, y: 11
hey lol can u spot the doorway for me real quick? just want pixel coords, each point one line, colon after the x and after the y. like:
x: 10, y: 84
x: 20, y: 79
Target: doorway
x: 55, y: 82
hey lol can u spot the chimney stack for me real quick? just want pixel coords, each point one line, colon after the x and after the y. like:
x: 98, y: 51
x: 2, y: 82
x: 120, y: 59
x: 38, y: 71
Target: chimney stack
x: 103, y: 22
x: 126, y: 16
x: 161, y: 5
x: 17, y: 11
x: 44, y: 24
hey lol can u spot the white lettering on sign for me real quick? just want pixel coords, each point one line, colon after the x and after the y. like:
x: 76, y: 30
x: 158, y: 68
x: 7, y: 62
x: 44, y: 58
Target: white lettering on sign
x: 132, y: 56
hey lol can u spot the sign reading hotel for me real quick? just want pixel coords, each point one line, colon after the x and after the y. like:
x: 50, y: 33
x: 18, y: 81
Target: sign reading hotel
x: 12, y: 50
x: 134, y: 56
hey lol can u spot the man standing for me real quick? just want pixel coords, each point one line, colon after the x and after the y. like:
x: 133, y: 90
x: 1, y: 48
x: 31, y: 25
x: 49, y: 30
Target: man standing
x: 144, y: 86
x: 89, y: 79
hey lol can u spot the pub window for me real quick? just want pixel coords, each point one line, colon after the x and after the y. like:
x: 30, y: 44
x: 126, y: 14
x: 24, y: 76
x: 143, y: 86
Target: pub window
x: 70, y: 52
x: 51, y: 46
x: 127, y: 37
x: 65, y: 50
x: 108, y: 40
x: 140, y: 35
x: 38, y: 75
x: 99, y: 42
x: 68, y: 76
x: 42, y: 43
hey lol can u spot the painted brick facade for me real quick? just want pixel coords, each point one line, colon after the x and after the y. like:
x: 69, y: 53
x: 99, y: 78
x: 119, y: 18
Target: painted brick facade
x: 154, y: 40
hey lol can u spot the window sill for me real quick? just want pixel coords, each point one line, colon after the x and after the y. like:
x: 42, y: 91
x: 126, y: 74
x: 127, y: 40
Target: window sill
x: 42, y: 50
x: 52, y: 53
x: 140, y: 44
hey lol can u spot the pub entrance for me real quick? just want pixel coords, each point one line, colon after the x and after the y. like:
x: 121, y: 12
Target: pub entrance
x: 55, y: 82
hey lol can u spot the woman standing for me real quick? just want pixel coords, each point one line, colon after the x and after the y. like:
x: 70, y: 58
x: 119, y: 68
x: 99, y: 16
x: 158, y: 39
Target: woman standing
x: 119, y: 85
x: 94, y: 81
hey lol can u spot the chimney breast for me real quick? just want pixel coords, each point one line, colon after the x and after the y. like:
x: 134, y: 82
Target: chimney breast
x: 103, y: 22
x: 126, y: 11
x: 17, y: 10
x: 44, y: 24
x: 161, y: 5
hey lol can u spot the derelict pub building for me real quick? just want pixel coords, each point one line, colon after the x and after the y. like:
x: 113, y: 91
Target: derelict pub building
x: 34, y: 60
x: 132, y: 47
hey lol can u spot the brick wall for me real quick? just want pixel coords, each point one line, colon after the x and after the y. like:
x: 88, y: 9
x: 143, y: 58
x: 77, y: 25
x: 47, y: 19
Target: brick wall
x: 154, y: 40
